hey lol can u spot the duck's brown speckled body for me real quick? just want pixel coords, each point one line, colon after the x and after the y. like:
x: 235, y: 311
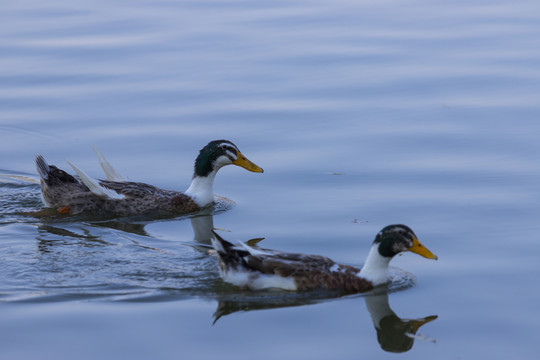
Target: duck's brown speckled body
x: 261, y: 269
x: 80, y: 194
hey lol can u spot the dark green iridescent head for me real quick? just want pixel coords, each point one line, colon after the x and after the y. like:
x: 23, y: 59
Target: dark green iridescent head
x: 394, y: 239
x: 219, y: 153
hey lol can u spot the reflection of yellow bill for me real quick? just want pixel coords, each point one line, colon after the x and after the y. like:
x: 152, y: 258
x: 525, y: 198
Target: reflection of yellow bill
x: 421, y: 250
x: 419, y: 322
x: 243, y: 161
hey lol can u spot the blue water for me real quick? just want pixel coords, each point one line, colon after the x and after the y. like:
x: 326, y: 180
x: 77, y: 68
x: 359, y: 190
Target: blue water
x: 362, y: 114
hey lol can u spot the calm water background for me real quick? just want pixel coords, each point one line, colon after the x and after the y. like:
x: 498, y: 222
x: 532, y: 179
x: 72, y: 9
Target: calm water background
x: 362, y: 113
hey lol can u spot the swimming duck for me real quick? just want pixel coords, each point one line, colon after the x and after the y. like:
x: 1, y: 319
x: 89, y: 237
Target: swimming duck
x: 258, y: 269
x: 78, y: 194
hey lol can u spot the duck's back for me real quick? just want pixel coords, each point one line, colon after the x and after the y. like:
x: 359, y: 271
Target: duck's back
x: 140, y: 198
x: 70, y: 195
x: 311, y: 272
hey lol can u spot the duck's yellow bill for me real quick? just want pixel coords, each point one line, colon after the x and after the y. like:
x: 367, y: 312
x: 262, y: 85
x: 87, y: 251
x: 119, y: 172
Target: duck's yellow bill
x: 421, y: 250
x: 243, y: 161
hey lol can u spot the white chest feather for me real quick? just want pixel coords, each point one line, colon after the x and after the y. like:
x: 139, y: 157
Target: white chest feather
x: 201, y: 189
x: 376, y: 267
x: 257, y: 281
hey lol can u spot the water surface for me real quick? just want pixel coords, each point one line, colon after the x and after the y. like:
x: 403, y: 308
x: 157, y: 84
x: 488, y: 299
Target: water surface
x: 362, y: 114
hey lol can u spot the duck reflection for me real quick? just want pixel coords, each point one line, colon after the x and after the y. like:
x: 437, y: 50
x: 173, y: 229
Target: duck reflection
x: 202, y: 228
x: 202, y: 223
x: 202, y: 232
x: 52, y: 236
x: 128, y: 227
x: 394, y: 334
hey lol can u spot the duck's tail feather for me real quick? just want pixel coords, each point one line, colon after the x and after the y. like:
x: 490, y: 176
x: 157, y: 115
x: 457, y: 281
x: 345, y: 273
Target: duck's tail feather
x: 94, y: 186
x: 42, y: 167
x: 221, y: 245
x: 110, y: 172
x: 51, y: 175
x: 251, y: 250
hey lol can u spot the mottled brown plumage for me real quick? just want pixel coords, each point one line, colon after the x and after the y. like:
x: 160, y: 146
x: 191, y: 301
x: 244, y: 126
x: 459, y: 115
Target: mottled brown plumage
x: 309, y: 272
x: 61, y: 190
x: 260, y: 268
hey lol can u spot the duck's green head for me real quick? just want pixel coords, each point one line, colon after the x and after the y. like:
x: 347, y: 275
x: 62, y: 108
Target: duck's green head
x: 219, y: 153
x: 394, y: 239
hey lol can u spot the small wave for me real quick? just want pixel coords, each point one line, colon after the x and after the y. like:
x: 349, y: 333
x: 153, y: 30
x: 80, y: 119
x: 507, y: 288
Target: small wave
x: 222, y: 204
x: 16, y: 179
x: 400, y: 280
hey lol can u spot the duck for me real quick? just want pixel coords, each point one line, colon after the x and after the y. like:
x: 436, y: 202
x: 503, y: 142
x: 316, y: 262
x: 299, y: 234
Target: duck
x: 74, y: 195
x: 259, y: 269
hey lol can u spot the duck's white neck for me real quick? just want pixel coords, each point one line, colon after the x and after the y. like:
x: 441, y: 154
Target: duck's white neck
x: 376, y: 267
x: 201, y: 189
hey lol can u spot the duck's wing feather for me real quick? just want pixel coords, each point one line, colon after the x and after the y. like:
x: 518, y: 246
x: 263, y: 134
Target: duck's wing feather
x: 267, y: 261
x: 94, y: 186
x: 110, y: 172
x: 136, y: 189
x: 288, y: 264
x: 310, y: 271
